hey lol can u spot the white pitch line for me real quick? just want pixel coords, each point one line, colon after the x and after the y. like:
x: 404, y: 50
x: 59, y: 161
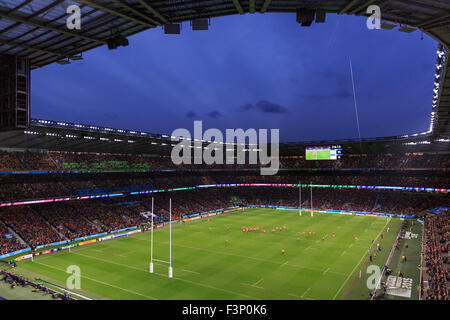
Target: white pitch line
x: 333, y: 272
x: 104, y: 283
x: 343, y: 253
x: 165, y: 276
x: 284, y: 264
x: 249, y: 257
x: 326, y: 271
x: 356, y: 266
x: 298, y: 297
x: 190, y: 271
x: 305, y: 292
x: 65, y: 290
x: 251, y: 285
x: 257, y: 282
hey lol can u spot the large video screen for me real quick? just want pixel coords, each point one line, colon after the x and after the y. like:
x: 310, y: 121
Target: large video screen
x: 323, y: 152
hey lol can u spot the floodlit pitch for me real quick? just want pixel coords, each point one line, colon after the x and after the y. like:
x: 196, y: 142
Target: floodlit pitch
x: 215, y: 259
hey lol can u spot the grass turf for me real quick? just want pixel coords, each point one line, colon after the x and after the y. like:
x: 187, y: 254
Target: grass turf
x: 410, y: 268
x: 250, y: 266
x: 22, y: 293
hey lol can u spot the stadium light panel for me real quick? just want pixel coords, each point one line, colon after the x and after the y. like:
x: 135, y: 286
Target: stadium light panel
x: 172, y: 28
x: 117, y: 41
x: 76, y: 58
x: 320, y: 16
x: 200, y: 24
x: 407, y: 29
x: 388, y: 26
x: 305, y: 17
x: 63, y: 62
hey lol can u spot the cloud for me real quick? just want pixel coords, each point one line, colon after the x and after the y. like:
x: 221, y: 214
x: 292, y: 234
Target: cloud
x: 246, y: 107
x: 269, y: 107
x: 214, y: 114
x: 340, y: 78
x: 341, y: 94
x: 264, y: 106
x: 191, y: 114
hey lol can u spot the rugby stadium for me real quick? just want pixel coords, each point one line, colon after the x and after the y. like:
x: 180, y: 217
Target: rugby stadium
x: 90, y: 212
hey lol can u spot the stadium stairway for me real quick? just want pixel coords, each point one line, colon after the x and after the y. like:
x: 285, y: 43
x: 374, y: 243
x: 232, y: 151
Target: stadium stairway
x: 207, y: 180
x: 51, y: 160
x: 11, y: 230
x: 375, y: 205
x: 18, y: 237
x: 53, y: 227
x: 90, y: 222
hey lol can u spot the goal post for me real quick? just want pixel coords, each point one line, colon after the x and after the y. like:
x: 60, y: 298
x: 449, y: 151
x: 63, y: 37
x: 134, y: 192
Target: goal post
x: 151, y: 267
x: 311, y: 201
x: 170, y: 239
x: 151, y: 240
x: 300, y: 199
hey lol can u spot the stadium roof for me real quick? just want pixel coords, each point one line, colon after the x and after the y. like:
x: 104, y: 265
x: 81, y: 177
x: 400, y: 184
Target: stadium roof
x: 37, y: 29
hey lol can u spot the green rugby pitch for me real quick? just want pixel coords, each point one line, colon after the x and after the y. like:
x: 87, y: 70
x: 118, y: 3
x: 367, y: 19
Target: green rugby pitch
x: 249, y: 266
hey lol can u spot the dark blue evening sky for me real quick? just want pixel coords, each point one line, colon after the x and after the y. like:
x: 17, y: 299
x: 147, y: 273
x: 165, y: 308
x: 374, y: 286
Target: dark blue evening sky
x: 251, y: 71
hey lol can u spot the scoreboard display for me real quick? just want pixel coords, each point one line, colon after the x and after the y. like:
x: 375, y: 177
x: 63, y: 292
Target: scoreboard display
x: 323, y: 152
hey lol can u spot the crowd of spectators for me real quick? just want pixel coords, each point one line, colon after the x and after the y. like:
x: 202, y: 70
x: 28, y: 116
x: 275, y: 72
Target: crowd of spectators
x: 73, y: 185
x: 46, y: 223
x: 436, y: 256
x: 30, y: 225
x: 41, y: 224
x: 87, y: 217
x: 8, y: 161
x: 8, y: 242
x: 107, y: 215
x: 15, y: 280
x: 17, y: 161
x: 67, y: 220
x: 70, y: 160
x: 390, y: 161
